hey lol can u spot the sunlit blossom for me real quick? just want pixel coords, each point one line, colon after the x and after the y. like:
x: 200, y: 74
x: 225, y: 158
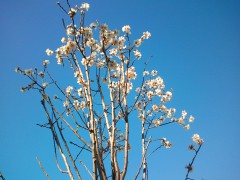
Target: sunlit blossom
x: 145, y: 73
x: 191, y: 119
x: 146, y: 35
x: 187, y: 127
x: 49, y: 52
x: 156, y: 122
x: 45, y: 62
x: 126, y: 29
x: 184, y: 114
x: 155, y: 108
x: 45, y: 84
x: 63, y: 40
x: 196, y: 138
x: 80, y: 92
x: 76, y: 103
x: 154, y: 72
x: 69, y: 89
x: 150, y: 95
x: 85, y: 6
x: 137, y: 54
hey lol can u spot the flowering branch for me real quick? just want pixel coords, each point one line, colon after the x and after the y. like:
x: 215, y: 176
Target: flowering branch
x: 95, y: 108
x: 196, y: 138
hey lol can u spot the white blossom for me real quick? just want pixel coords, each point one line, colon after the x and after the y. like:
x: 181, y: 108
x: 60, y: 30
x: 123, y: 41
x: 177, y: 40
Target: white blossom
x: 146, y: 35
x: 187, y: 127
x: 196, y: 138
x: 155, y: 108
x: 145, y: 73
x: 69, y: 89
x: 49, y: 52
x: 63, y: 40
x: 45, y: 62
x: 126, y: 29
x: 191, y: 119
x: 137, y: 54
x: 184, y: 114
x: 154, y: 72
x: 85, y: 6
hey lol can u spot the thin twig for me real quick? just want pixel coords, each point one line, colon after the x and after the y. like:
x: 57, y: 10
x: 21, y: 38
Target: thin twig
x: 43, y: 170
x: 190, y: 165
x: 154, y: 151
x: 1, y: 176
x: 87, y: 169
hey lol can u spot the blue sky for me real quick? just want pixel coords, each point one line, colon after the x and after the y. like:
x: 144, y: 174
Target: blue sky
x: 195, y: 47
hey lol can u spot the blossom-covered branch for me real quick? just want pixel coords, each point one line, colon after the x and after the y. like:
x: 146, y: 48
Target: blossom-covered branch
x: 91, y: 112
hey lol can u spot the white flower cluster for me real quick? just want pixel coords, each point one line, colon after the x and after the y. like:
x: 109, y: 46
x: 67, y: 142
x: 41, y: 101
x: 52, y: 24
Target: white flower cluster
x: 196, y: 138
x: 166, y: 143
x: 126, y: 29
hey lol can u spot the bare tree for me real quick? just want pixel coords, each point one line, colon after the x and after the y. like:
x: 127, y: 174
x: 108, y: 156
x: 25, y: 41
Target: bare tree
x: 90, y: 116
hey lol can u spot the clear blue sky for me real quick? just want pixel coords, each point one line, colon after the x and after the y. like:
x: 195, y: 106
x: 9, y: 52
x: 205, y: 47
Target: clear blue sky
x: 195, y: 46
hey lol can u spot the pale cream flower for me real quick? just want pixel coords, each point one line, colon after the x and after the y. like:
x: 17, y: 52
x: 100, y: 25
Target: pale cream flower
x: 149, y: 113
x: 181, y: 121
x: 137, y: 54
x: 69, y: 89
x: 93, y: 25
x: 49, y: 52
x: 141, y: 116
x: 70, y: 31
x: 146, y: 35
x: 138, y: 42
x: 184, y: 114
x: 138, y: 89
x: 169, y: 114
x: 131, y: 74
x: 196, y: 138
x: 158, y: 92
x: 156, y: 122
x: 166, y: 143
x: 113, y: 51
x: 155, y: 108
x: 138, y: 103
x: 72, y: 12
x: 150, y: 95
x: 76, y: 103
x: 22, y: 89
x: 100, y: 64
x: 28, y: 72
x: 154, y: 72
x: 82, y: 104
x: 163, y: 108
x: 187, y: 127
x: 63, y: 40
x: 173, y: 110
x: 145, y: 73
x: 80, y: 92
x: 76, y: 74
x: 169, y: 95
x: 66, y: 103
x: 45, y: 84
x: 45, y: 62
x: 85, y: 6
x: 126, y: 29
x: 91, y: 42
x: 162, y: 118
x: 191, y: 119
